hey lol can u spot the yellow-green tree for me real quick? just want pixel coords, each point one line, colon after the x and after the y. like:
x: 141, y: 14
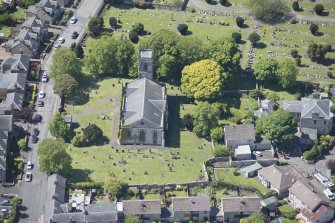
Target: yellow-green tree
x: 203, y: 80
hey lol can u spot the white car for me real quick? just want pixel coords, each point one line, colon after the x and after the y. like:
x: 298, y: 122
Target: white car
x: 29, y: 165
x: 73, y: 20
x: 41, y: 94
x: 61, y: 40
x: 29, y: 176
x: 257, y: 153
x: 45, y: 77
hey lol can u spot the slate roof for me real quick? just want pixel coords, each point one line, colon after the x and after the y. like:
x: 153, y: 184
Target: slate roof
x: 239, y: 132
x: 16, y: 62
x: 13, y: 81
x: 35, y: 24
x: 315, y: 216
x: 254, y: 167
x: 243, y: 150
x: 305, y: 194
x: 279, y: 177
x: 26, y: 37
x: 195, y: 203
x: 241, y: 204
x: 144, y: 100
x: 269, y: 201
x: 307, y: 106
x: 6, y: 126
x: 13, y: 100
x: 81, y: 217
x: 141, y: 207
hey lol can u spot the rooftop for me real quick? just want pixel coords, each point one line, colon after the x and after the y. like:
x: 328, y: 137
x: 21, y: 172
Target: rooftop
x: 252, y: 168
x: 241, y: 204
x: 241, y: 150
x: 301, y: 190
x: 146, y: 54
x: 195, y: 203
x: 239, y: 132
x: 279, y: 177
x: 315, y: 216
x: 139, y: 207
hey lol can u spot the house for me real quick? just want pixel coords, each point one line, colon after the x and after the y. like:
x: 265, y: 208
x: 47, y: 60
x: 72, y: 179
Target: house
x: 12, y: 82
x: 266, y: 107
x: 36, y: 25
x: 234, y: 208
x: 13, y: 102
x: 16, y: 63
x: 185, y: 209
x: 312, y: 113
x: 144, y: 108
x: 63, y: 3
x: 243, y: 152
x: 303, y: 196
x: 251, y: 171
x: 147, y: 210
x: 26, y: 42
x: 239, y: 135
x: 308, y: 136
x: 270, y: 203
x: 6, y: 128
x: 323, y: 214
x: 277, y: 178
x: 47, y: 10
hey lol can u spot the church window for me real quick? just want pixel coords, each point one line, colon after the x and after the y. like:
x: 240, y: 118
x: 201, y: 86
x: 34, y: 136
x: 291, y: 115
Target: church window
x: 142, y: 135
x: 129, y: 134
x: 145, y: 67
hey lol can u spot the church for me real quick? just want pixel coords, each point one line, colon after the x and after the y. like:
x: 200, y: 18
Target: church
x: 144, y: 107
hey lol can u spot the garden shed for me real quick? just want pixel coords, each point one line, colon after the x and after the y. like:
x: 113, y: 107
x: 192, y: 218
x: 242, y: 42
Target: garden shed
x: 251, y: 171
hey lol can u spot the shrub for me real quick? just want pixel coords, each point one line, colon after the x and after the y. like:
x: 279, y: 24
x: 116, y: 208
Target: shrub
x: 236, y: 36
x: 112, y: 22
x: 239, y: 21
x: 288, y: 211
x: 138, y: 28
x: 187, y: 122
x: 133, y: 36
x: 297, y: 61
x: 311, y: 154
x: 212, y: 2
x: 79, y: 140
x: 313, y: 28
x: 294, y: 53
x: 182, y: 28
x: 319, y: 9
x: 143, y: 5
x: 223, y: 2
x: 92, y: 132
x: 87, y: 185
x: 256, y: 93
x: 221, y: 151
x: 295, y: 6
x: 254, y: 38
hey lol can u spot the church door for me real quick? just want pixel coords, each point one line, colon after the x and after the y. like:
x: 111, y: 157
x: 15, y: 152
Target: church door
x: 154, y: 138
x: 142, y: 136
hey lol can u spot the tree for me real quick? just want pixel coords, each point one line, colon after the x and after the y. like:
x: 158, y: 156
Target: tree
x: 78, y: 49
x: 217, y: 134
x: 114, y: 186
x: 318, y: 9
x: 311, y: 154
x: 295, y: 6
x: 59, y: 128
x: 92, y: 132
x: 223, y: 2
x: 182, y: 28
x: 187, y: 122
x: 294, y: 53
x: 279, y: 127
x: 239, y: 21
x: 254, y: 38
x: 66, y: 86
x: 65, y: 61
x: 206, y: 117
x: 203, y: 80
x: 125, y: 59
x: 316, y: 51
x: 95, y: 26
x: 313, y: 28
x: 22, y: 143
x: 237, y: 37
x: 297, y: 61
x: 133, y: 36
x: 132, y: 219
x: 53, y: 157
x: 266, y: 69
x: 112, y: 22
x: 267, y: 10
x: 287, y: 73
x: 221, y: 151
x: 331, y: 164
x: 79, y: 140
x: 138, y: 28
x: 255, y: 217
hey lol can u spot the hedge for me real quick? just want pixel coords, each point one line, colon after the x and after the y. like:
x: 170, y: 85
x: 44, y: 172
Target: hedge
x: 87, y: 185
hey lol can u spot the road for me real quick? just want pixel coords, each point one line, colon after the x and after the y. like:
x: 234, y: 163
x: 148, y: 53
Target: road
x: 33, y: 193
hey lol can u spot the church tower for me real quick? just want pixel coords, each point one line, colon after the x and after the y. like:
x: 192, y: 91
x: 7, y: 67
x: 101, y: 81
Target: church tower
x: 145, y: 64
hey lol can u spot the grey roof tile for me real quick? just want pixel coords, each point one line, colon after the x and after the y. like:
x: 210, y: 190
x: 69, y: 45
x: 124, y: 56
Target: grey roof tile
x: 241, y: 204
x: 196, y: 203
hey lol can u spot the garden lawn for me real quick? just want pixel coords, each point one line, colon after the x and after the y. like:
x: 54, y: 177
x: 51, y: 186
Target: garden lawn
x: 227, y: 175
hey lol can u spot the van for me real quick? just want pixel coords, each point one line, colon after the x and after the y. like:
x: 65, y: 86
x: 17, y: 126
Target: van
x: 331, y: 187
x: 329, y: 194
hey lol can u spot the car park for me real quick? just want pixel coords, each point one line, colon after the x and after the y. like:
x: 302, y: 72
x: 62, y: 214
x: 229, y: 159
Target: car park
x: 41, y: 94
x: 28, y: 177
x: 36, y: 118
x: 61, y: 40
x: 257, y: 153
x: 40, y: 103
x: 44, y: 77
x: 29, y: 165
x: 6, y: 203
x: 73, y: 20
x: 74, y: 35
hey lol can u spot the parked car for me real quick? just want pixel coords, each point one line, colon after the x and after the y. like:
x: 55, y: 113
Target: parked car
x: 5, y: 213
x: 257, y: 153
x: 29, y: 165
x: 35, y: 132
x: 41, y: 94
x: 74, y: 35
x: 34, y: 139
x: 61, y: 40
x: 73, y: 20
x: 44, y: 77
x: 28, y: 177
x: 40, y: 103
x: 36, y: 118
x: 6, y: 203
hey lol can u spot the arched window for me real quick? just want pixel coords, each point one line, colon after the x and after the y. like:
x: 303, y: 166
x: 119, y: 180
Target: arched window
x: 142, y: 136
x: 154, y: 137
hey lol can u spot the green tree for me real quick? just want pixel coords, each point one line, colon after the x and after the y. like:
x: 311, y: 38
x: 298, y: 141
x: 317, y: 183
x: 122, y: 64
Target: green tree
x: 183, y: 29
x: 125, y: 59
x: 239, y: 21
x: 65, y: 61
x: 237, y: 37
x: 112, y: 22
x: 319, y: 9
x: 294, y: 53
x: 92, y: 132
x: 297, y: 61
x: 53, y: 157
x: 114, y: 186
x: 138, y: 27
x: 254, y: 37
x: 133, y: 36
x: 287, y: 73
x: 266, y: 69
x: 95, y: 26
x: 187, y: 122
x: 313, y: 28
x: 295, y: 6
x: 203, y: 80
x: 22, y: 143
x: 316, y: 51
x: 206, y: 117
x: 132, y: 219
x: 78, y: 49
x: 217, y: 134
x: 79, y: 140
x: 255, y: 217
x: 59, y: 128
x: 223, y: 2
x: 279, y: 127
x: 221, y: 151
x: 66, y: 86
x: 267, y: 10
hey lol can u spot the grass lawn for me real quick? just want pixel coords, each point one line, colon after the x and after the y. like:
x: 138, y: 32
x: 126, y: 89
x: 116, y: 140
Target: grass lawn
x: 227, y: 174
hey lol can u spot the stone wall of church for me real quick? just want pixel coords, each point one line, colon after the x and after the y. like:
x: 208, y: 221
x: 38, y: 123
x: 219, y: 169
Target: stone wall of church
x: 145, y: 136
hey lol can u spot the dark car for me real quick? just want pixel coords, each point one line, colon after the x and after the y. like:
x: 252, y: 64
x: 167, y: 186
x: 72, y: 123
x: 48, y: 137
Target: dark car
x: 6, y: 203
x: 36, y: 118
x: 74, y: 35
x: 40, y: 103
x: 35, y: 132
x: 34, y: 139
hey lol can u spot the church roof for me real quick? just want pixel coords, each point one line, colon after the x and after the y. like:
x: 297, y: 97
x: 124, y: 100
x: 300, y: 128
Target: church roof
x: 144, y: 100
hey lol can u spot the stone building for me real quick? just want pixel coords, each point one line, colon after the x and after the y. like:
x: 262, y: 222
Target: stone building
x: 144, y: 107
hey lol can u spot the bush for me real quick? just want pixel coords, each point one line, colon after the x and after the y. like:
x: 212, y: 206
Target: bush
x: 237, y: 37
x: 295, y: 6
x: 87, y: 185
x: 297, y: 61
x: 212, y: 2
x: 311, y: 154
x: 319, y: 9
x: 138, y: 28
x: 182, y: 28
x: 254, y: 38
x: 22, y: 143
x: 239, y: 21
x: 256, y: 93
x: 187, y: 122
x: 313, y: 28
x: 287, y: 211
x: 79, y: 140
x: 294, y: 53
x: 143, y: 5
x: 112, y: 22
x: 223, y: 2
x: 92, y: 132
x: 221, y: 151
x: 133, y: 36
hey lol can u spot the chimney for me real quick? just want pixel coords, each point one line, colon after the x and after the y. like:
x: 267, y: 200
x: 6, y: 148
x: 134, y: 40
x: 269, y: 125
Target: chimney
x: 313, y: 189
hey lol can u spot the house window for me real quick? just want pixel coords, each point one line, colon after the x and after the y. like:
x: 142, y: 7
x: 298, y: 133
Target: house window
x: 142, y: 136
x: 314, y: 122
x: 325, y: 122
x: 129, y: 134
